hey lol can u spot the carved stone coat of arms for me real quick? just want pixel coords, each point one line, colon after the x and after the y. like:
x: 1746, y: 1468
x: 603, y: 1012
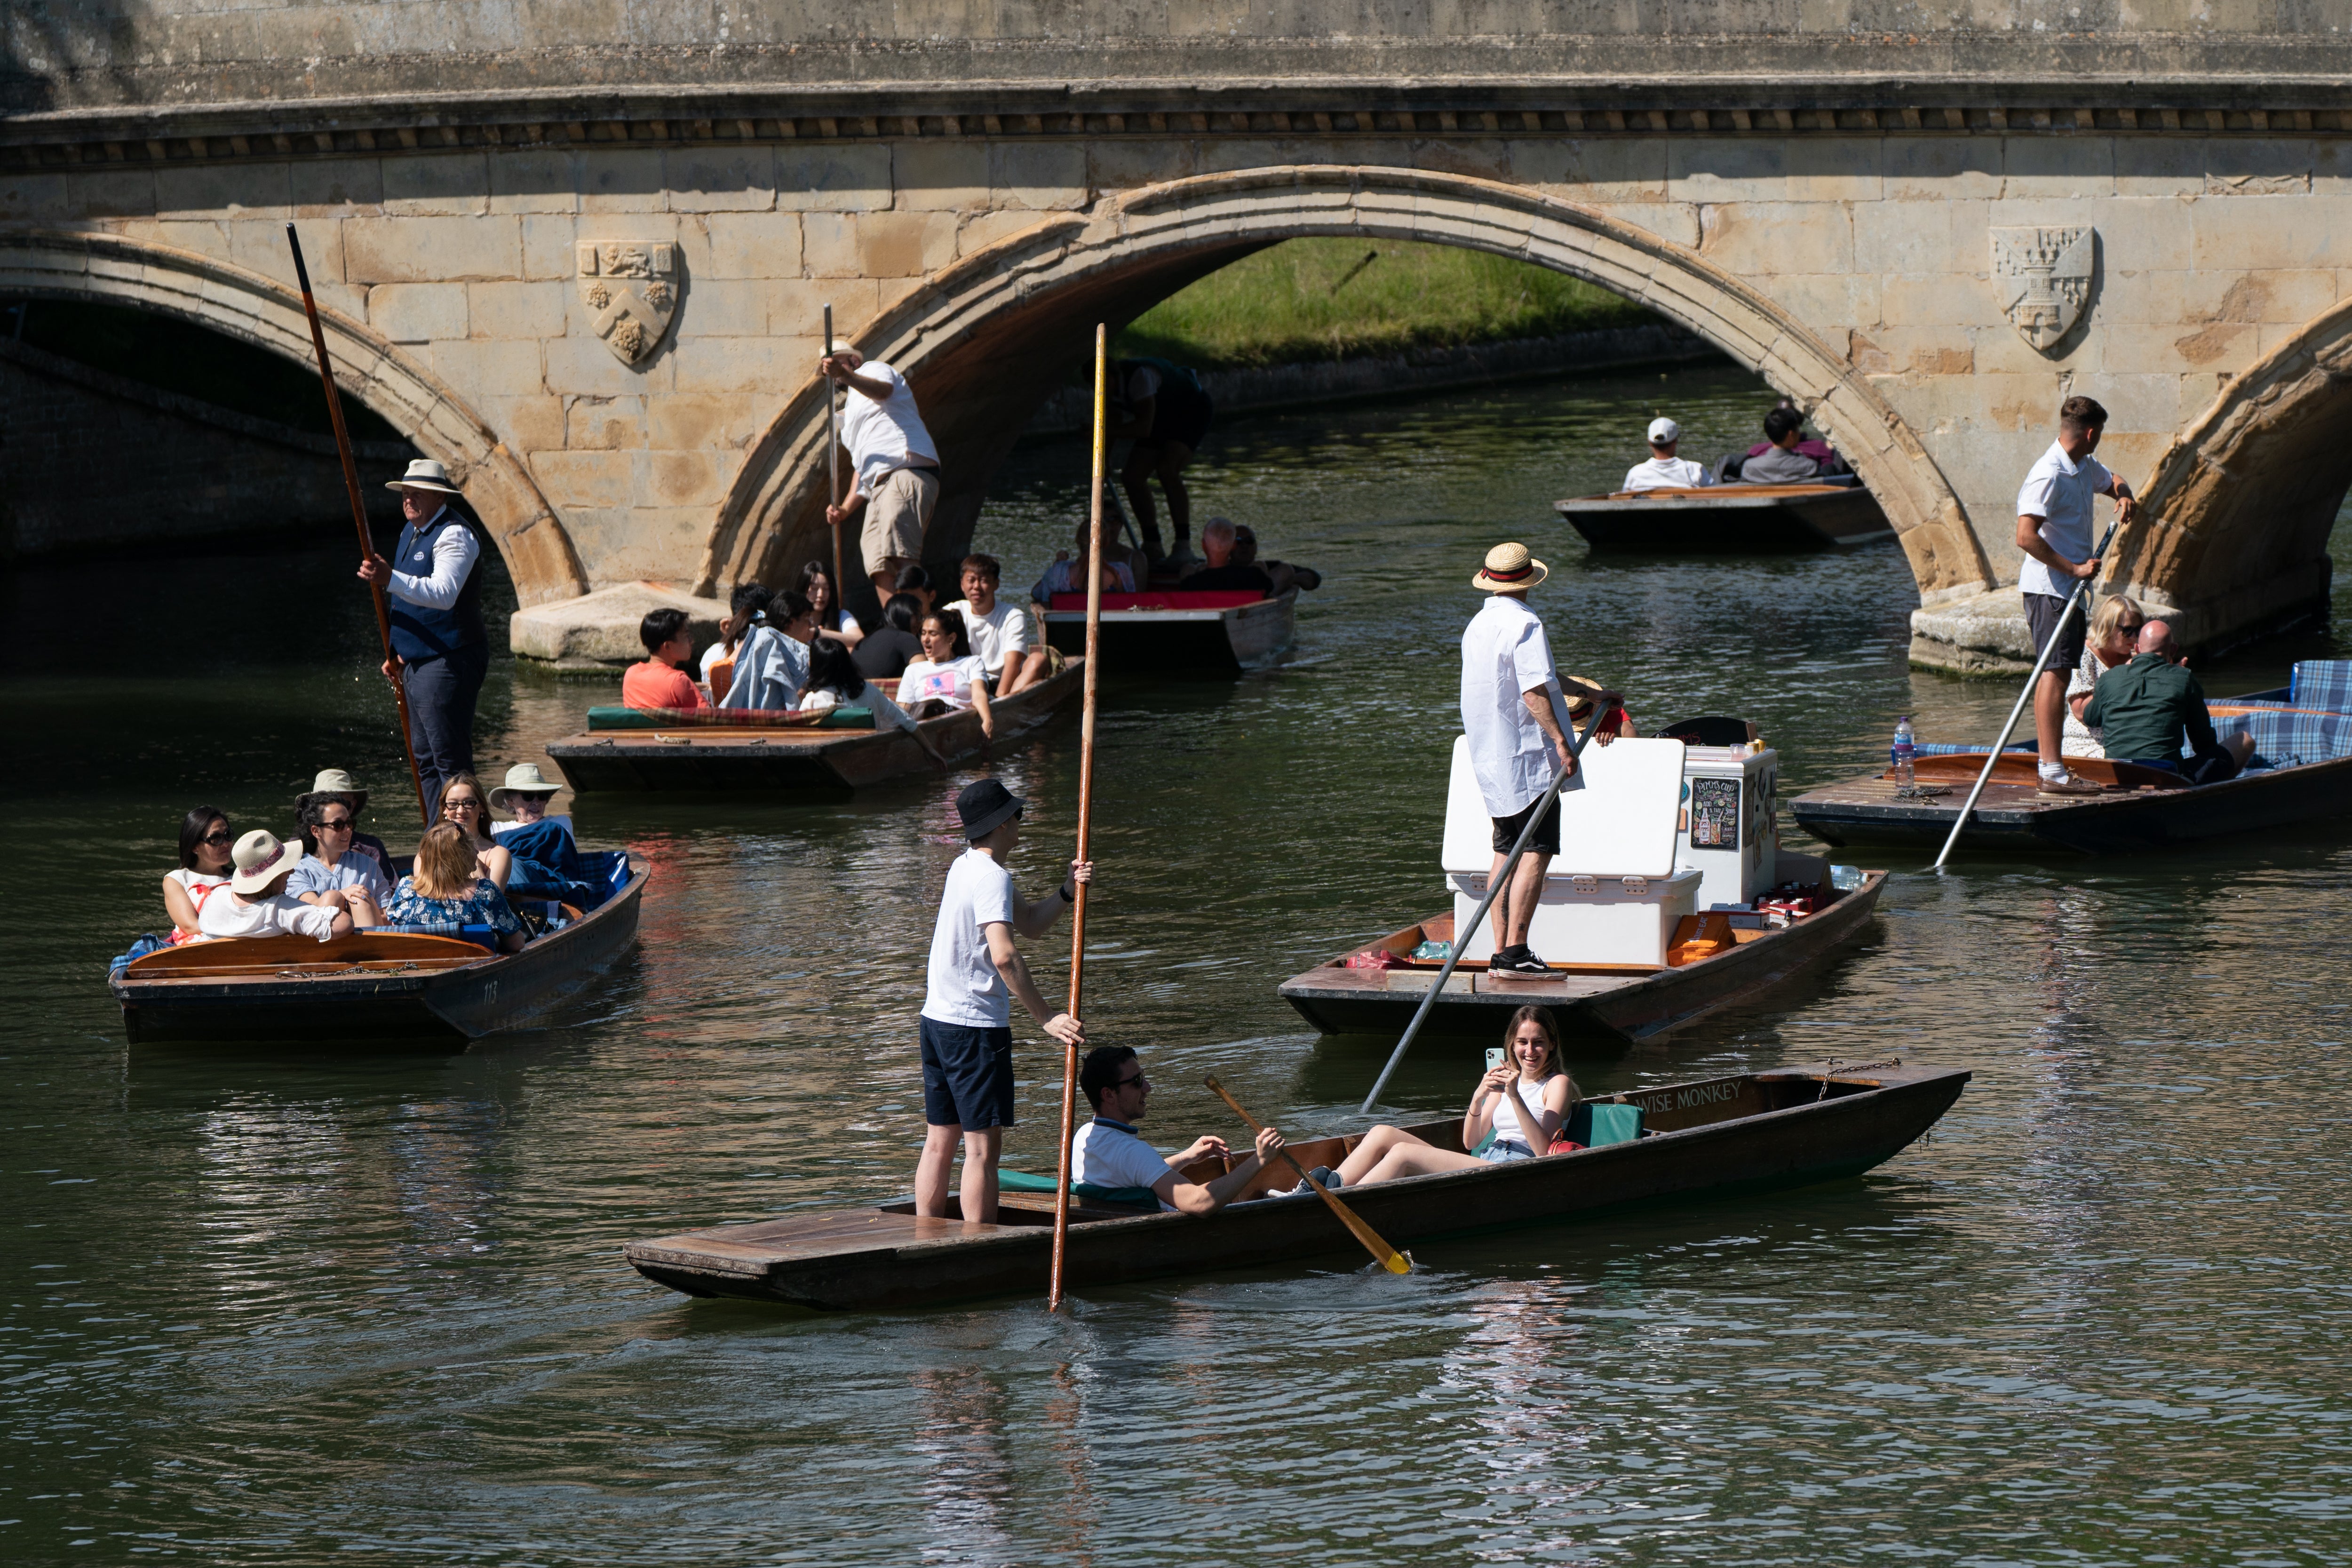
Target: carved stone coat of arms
x: 2042, y: 279
x: 633, y: 288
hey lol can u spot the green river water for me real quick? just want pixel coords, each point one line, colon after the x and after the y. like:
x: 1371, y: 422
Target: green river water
x: 289, y: 1307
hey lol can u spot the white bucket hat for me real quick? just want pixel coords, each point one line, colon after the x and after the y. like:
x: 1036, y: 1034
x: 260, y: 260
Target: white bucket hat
x: 425, y: 474
x: 260, y: 858
x: 523, y: 778
x: 336, y: 783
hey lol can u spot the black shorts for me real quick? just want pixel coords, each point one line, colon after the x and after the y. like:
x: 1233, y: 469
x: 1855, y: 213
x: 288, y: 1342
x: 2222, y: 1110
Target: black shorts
x: 1547, y: 834
x: 966, y: 1076
x: 2041, y: 613
x: 1181, y: 412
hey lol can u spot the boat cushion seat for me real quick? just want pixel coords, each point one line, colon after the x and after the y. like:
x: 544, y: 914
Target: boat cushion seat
x: 1599, y: 1123
x: 1030, y: 1181
x: 2288, y: 737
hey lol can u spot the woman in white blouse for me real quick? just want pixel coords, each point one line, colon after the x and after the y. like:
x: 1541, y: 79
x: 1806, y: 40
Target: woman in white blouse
x: 2114, y: 630
x: 950, y: 677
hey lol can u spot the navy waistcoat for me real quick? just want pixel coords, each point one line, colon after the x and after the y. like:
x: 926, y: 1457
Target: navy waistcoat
x: 418, y: 633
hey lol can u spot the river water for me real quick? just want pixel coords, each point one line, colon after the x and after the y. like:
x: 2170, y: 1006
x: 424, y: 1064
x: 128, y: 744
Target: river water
x: 268, y: 1307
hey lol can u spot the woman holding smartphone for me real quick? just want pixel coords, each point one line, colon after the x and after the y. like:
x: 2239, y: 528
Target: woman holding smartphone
x: 1522, y: 1101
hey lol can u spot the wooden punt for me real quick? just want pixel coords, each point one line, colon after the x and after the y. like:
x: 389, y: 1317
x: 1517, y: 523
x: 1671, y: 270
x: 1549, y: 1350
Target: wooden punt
x: 1181, y: 640
x: 1630, y: 1001
x: 1751, y: 1133
x: 2141, y: 808
x: 798, y: 760
x: 368, y: 985
x: 1728, y: 520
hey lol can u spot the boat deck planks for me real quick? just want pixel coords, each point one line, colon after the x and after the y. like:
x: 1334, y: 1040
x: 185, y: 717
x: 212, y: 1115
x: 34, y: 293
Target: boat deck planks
x: 1732, y: 519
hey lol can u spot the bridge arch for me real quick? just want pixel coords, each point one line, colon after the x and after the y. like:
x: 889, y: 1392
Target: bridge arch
x: 247, y: 305
x: 986, y: 339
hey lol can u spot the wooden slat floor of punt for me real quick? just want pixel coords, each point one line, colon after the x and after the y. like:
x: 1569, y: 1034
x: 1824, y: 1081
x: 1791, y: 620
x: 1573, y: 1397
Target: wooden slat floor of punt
x: 1997, y: 797
x: 1565, y: 986
x: 740, y: 1249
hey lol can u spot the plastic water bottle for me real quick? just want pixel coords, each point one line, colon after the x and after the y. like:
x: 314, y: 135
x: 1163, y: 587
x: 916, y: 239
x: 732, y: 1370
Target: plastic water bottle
x: 1902, y: 753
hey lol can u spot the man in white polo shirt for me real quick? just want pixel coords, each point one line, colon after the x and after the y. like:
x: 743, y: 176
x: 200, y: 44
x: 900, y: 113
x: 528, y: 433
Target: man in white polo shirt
x: 1514, y: 714
x: 895, y: 466
x: 999, y: 628
x: 2053, y: 531
x: 1108, y: 1153
x: 1664, y: 471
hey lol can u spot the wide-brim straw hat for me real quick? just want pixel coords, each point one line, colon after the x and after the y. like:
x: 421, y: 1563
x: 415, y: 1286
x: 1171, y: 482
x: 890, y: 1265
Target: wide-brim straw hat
x: 523, y: 778
x: 261, y: 858
x: 336, y: 784
x: 425, y: 474
x: 1509, y: 569
x: 1581, y: 691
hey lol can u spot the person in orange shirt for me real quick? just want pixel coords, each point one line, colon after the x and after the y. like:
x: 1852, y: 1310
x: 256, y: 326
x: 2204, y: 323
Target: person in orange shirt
x: 661, y: 681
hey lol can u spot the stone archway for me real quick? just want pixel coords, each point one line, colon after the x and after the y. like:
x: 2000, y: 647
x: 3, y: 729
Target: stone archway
x: 986, y: 339
x: 261, y: 310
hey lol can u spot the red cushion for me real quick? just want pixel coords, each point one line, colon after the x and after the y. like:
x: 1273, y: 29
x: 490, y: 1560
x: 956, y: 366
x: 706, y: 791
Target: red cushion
x: 1166, y: 599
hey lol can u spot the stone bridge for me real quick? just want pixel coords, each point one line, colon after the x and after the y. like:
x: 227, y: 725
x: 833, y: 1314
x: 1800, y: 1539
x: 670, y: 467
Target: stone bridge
x: 578, y: 248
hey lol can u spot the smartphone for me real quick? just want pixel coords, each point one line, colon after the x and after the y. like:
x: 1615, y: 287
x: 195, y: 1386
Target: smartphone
x: 1495, y: 1057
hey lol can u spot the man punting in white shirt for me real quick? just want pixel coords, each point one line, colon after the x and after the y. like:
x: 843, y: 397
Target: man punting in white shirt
x: 2053, y: 531
x: 1107, y: 1151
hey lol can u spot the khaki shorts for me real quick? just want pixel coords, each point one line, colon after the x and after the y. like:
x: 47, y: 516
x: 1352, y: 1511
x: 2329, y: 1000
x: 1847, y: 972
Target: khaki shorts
x: 898, y: 514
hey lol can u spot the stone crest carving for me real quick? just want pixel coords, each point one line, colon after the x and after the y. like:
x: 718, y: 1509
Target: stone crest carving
x: 2042, y: 279
x: 632, y: 286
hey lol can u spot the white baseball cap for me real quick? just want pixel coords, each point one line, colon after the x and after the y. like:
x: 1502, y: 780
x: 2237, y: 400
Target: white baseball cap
x: 1663, y: 431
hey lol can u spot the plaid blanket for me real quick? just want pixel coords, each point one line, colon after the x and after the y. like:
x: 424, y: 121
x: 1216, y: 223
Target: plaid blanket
x: 2286, y: 737
x: 2323, y: 683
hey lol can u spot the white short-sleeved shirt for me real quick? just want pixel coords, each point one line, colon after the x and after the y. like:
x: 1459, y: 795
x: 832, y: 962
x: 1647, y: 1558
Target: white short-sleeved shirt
x: 950, y: 683
x: 353, y: 870
x: 882, y: 435
x: 2058, y: 489
x: 1004, y: 629
x: 1667, y: 474
x: 284, y: 915
x: 962, y: 984
x: 1108, y: 1153
x: 1504, y: 657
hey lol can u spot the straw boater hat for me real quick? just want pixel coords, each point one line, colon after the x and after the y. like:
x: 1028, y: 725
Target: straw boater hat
x: 523, y: 778
x: 425, y: 474
x: 260, y: 858
x: 334, y: 783
x: 1581, y: 691
x: 1509, y: 568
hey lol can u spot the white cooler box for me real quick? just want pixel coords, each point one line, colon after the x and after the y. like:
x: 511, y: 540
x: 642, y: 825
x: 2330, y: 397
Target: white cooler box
x: 1728, y: 833
x: 1613, y: 894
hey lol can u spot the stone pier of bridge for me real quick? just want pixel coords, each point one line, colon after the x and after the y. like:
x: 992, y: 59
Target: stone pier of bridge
x: 579, y: 248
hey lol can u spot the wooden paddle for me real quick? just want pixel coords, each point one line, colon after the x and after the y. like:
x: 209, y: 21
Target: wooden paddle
x: 833, y: 463
x: 359, y: 513
x: 1086, y: 815
x: 1387, y: 1256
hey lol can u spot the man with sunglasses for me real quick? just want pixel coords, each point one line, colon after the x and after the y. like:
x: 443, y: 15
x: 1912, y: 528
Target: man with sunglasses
x: 334, y: 866
x: 1107, y: 1151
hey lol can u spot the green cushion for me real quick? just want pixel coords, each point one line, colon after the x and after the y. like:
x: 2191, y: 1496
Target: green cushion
x: 1030, y: 1181
x: 1596, y: 1124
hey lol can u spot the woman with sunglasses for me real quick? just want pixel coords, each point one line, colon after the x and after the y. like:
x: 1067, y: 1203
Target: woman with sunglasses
x: 464, y: 803
x: 2114, y: 634
x: 335, y: 865
x: 204, y: 841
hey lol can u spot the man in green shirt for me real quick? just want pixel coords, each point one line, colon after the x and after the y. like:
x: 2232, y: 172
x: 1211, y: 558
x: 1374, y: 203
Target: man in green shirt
x: 2146, y: 705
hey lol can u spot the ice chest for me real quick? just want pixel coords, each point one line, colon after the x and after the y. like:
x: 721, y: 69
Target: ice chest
x: 1727, y: 829
x: 1613, y: 894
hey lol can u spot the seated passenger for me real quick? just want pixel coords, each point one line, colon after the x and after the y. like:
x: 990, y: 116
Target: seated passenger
x: 1108, y: 1152
x: 999, y: 628
x: 334, y: 784
x: 1664, y: 471
x: 1285, y: 575
x: 836, y: 681
x: 2146, y: 706
x: 834, y: 621
x: 884, y: 653
x: 2114, y: 638
x: 205, y: 868
x: 334, y: 875
x: 462, y: 803
x: 662, y: 682
x: 771, y: 666
x: 1582, y: 692
x: 948, y: 678
x: 1224, y: 571
x: 1780, y: 463
x: 448, y: 889
x: 256, y: 902
x: 748, y: 600
x: 525, y: 796
x: 1067, y: 574
x: 916, y: 581
x: 546, y: 858
x: 1522, y: 1103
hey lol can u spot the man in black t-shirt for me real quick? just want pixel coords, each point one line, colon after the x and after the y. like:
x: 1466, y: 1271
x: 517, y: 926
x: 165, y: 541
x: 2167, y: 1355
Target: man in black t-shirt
x: 1217, y: 540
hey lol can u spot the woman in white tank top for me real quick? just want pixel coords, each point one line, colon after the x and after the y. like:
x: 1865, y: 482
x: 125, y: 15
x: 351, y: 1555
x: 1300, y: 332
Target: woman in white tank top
x: 1522, y: 1103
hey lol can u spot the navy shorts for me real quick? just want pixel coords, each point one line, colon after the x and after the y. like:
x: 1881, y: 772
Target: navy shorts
x: 2041, y: 613
x: 966, y: 1076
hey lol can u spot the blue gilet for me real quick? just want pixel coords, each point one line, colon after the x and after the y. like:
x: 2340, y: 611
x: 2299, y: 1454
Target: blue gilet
x: 417, y: 633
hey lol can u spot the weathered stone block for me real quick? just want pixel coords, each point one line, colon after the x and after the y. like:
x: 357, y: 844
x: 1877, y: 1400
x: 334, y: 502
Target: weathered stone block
x: 2263, y: 232
x: 1749, y: 237
x: 2223, y: 346
x: 526, y: 423
x: 796, y: 307
x: 600, y: 629
x: 904, y: 244
x: 1833, y: 169
x: 1953, y: 300
x: 1675, y: 221
x: 834, y: 179
x: 27, y: 197
x: 939, y: 176
x: 603, y: 423
x: 1913, y: 351
x: 431, y: 249
x: 447, y: 185
x: 644, y: 540
x: 113, y: 193
x: 420, y: 313
x: 515, y: 309
x: 829, y: 244
x: 681, y: 478
x: 1910, y: 238
x: 2000, y: 351
x: 1939, y: 168
x: 745, y: 245
x: 2068, y: 168
x: 1044, y: 178
x: 1827, y: 303
x: 1629, y: 170
x: 1727, y: 170
x: 1124, y: 166
x: 2159, y: 165
x: 721, y: 179
x: 534, y: 179
x: 578, y: 363
x: 223, y: 192
x: 2267, y: 168
x: 687, y: 422
x: 337, y: 187
x: 623, y: 180
x: 982, y: 230
x: 585, y: 479
x: 485, y: 366
x: 740, y: 365
x: 549, y: 246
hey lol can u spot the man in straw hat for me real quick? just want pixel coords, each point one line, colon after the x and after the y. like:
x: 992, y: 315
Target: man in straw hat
x: 440, y: 649
x: 1512, y: 711
x: 258, y: 903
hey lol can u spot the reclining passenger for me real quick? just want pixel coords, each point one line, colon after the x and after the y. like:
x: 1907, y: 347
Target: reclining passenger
x: 1523, y: 1103
x: 1067, y: 572
x: 256, y: 902
x: 662, y: 682
x: 1108, y: 1152
x: 771, y: 667
x: 205, y: 868
x: 2145, y: 707
x: 447, y: 888
x: 948, y: 678
x: 333, y: 874
x: 546, y: 858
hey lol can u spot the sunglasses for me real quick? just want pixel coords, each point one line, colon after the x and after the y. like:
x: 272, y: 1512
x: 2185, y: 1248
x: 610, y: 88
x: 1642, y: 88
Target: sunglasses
x: 2131, y: 625
x: 342, y: 826
x: 215, y: 838
x: 448, y: 805
x: 1138, y: 1077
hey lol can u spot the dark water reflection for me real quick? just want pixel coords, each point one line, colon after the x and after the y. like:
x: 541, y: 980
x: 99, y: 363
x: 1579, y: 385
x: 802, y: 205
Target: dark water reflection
x: 268, y: 1305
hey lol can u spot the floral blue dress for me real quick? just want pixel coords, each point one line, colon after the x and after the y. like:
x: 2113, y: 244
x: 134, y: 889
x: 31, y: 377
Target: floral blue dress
x: 483, y: 905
